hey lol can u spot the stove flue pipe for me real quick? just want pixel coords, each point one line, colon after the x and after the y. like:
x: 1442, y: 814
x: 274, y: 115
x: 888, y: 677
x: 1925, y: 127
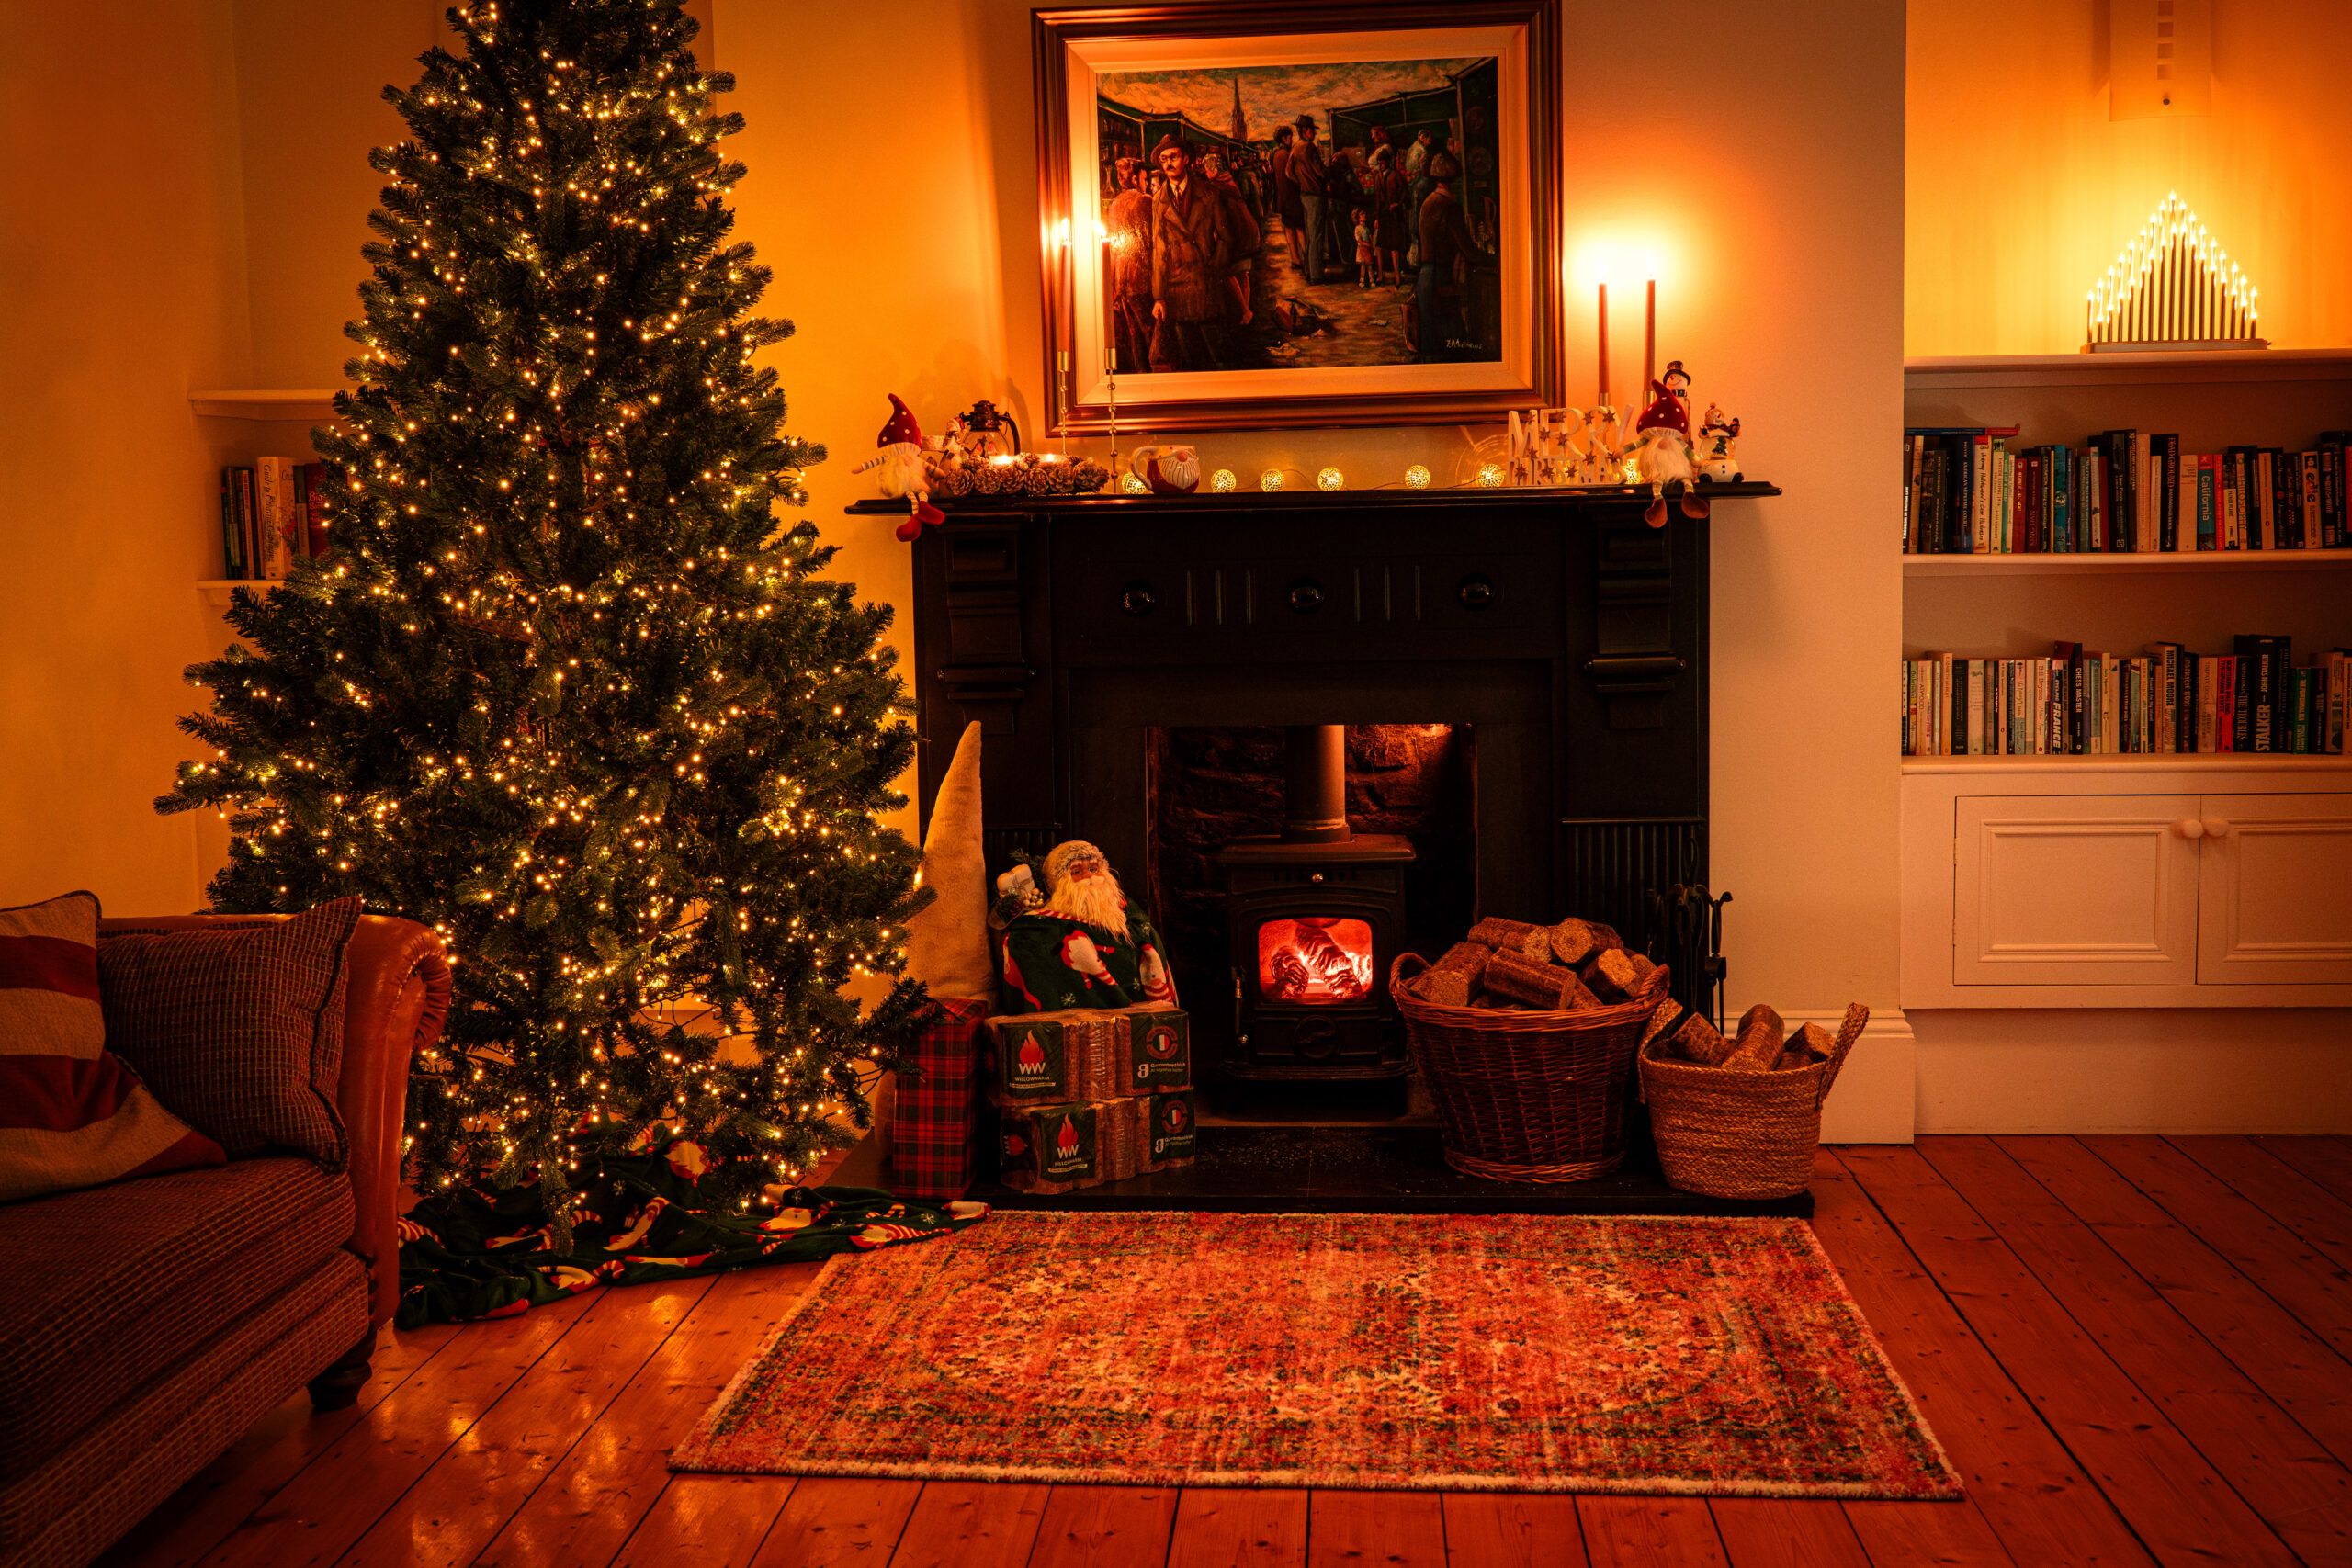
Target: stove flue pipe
x: 1315, y: 784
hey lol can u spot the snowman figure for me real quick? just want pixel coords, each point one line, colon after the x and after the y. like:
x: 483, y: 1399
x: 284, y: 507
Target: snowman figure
x: 1717, y: 459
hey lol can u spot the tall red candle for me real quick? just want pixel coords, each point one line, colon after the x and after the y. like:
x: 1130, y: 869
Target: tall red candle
x: 1603, y: 393
x: 1649, y: 341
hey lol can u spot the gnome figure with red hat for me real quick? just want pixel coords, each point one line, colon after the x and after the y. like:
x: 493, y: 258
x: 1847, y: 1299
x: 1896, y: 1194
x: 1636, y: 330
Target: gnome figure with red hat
x: 1661, y: 445
x: 900, y: 459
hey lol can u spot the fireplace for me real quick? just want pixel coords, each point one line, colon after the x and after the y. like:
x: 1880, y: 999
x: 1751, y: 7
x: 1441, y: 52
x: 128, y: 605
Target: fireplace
x: 1315, y: 913
x: 1095, y: 638
x: 1521, y: 676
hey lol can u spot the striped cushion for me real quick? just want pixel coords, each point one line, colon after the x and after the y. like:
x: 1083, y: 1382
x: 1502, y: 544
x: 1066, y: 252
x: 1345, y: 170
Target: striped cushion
x: 72, y: 1113
x: 239, y: 1029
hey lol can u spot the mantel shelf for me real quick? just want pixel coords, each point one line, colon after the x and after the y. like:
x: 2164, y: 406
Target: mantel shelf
x: 1613, y: 496
x: 306, y: 406
x: 2134, y: 761
x: 2221, y: 563
x: 2181, y: 368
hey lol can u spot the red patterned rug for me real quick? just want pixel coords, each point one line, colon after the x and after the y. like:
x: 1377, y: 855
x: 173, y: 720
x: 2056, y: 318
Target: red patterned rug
x: 1456, y: 1352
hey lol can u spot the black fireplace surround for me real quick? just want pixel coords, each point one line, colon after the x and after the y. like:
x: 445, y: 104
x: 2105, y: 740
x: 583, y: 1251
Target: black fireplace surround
x: 1561, y: 632
x: 1569, y: 635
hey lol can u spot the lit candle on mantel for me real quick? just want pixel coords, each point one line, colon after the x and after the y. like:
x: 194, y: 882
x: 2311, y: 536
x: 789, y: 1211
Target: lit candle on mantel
x: 1649, y: 342
x: 1604, y: 341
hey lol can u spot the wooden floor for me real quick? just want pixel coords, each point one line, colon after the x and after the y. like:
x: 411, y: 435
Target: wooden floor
x: 2133, y: 1348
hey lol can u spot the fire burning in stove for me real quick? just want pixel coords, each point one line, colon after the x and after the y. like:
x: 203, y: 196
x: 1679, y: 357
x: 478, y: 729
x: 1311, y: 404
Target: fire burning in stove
x: 1315, y: 960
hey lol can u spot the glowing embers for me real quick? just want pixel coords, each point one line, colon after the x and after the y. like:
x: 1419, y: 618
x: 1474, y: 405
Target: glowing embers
x: 1317, y: 959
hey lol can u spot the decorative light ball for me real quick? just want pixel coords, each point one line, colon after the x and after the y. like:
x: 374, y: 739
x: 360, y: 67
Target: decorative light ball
x: 1222, y: 481
x: 1490, y: 475
x: 1133, y: 486
x: 1270, y: 479
x: 1330, y: 479
x: 1417, y: 477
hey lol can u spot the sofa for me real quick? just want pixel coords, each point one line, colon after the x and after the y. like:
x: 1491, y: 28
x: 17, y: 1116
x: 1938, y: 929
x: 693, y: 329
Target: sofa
x: 145, y: 1325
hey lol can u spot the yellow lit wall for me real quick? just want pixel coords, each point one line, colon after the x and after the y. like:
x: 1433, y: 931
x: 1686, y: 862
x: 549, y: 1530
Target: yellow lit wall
x: 2022, y: 190
x: 893, y: 188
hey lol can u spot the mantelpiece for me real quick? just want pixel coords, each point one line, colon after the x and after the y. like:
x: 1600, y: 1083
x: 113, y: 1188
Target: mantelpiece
x: 1570, y: 635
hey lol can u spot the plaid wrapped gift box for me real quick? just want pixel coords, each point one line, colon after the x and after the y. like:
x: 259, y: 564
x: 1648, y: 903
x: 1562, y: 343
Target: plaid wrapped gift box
x: 936, y: 1135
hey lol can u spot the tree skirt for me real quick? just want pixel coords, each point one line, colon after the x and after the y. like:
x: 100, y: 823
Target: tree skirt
x: 1452, y: 1352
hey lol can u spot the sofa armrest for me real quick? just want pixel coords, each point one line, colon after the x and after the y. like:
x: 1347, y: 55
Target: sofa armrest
x: 396, y: 998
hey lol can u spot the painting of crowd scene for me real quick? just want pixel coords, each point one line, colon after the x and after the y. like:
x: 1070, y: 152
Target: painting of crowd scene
x: 1283, y: 217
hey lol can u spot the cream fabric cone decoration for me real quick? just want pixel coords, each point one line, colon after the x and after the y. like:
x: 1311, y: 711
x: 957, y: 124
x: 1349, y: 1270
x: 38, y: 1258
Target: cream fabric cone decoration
x: 947, y: 940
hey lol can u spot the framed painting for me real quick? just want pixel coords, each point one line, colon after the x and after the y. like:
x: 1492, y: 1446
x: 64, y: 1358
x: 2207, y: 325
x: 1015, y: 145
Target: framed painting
x: 1263, y: 213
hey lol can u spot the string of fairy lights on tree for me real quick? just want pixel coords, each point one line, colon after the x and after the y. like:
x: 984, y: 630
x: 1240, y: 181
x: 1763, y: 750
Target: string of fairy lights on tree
x: 566, y: 690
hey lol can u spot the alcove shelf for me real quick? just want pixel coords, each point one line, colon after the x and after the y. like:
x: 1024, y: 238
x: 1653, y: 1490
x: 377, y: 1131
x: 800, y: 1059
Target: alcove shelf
x: 2232, y: 563
x: 215, y: 590
x: 308, y: 405
x: 1946, y: 373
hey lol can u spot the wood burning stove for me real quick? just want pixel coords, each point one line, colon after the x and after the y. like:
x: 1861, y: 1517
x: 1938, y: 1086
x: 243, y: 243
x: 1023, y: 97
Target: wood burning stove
x: 1317, y: 914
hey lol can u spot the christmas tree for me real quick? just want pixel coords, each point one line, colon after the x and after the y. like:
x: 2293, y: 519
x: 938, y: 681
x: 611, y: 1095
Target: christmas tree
x: 564, y: 690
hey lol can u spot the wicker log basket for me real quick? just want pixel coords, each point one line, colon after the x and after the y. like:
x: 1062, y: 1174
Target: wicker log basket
x: 1733, y: 1135
x: 1526, y: 1096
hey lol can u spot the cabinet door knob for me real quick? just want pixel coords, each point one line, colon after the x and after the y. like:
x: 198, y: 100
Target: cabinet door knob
x: 2190, y: 827
x: 1476, y: 592
x: 2215, y: 827
x: 1307, y: 597
x: 1138, y: 599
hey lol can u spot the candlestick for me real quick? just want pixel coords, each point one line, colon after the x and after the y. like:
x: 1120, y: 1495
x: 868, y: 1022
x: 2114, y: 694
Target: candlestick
x: 1649, y: 339
x: 1603, y: 391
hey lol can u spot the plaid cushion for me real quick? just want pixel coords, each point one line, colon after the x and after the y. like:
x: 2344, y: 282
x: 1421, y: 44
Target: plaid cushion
x: 72, y: 1113
x: 104, y: 1290
x: 935, y: 1139
x: 240, y: 1031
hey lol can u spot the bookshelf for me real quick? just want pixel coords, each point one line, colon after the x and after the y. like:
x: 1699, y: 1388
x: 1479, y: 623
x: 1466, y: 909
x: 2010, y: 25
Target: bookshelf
x: 239, y: 425
x: 2158, y: 880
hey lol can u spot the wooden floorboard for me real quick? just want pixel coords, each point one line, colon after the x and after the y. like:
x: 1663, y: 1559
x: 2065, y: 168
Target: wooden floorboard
x: 833, y: 1519
x: 1786, y: 1532
x: 463, y: 1502
x: 1504, y: 1530
x: 2279, y: 1189
x: 1105, y: 1526
x: 972, y: 1524
x: 2279, y: 1469
x: 1632, y: 1532
x: 2296, y: 1274
x: 1393, y: 1529
x: 2302, y: 1373
x: 584, y: 1510
x: 2036, y: 1501
x: 1220, y: 1527
x: 2327, y: 1161
x: 2174, y: 1500
x: 2133, y: 1348
x: 315, y: 1518
x: 710, y: 1521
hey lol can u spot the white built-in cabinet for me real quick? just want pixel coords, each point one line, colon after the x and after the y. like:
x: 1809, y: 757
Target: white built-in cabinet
x: 2127, y: 882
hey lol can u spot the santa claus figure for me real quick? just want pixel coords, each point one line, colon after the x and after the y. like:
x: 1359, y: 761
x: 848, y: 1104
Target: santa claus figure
x: 1661, y: 445
x: 899, y: 453
x: 1082, y: 946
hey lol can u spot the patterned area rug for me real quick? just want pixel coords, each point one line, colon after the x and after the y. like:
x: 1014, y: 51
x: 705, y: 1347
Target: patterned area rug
x: 1469, y: 1352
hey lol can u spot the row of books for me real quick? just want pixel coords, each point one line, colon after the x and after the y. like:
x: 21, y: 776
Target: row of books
x: 2254, y: 698
x: 272, y: 513
x: 1971, y: 489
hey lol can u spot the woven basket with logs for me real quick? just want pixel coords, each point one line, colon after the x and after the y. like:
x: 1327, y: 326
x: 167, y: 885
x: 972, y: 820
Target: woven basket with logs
x: 1526, y: 1035
x: 1739, y: 1116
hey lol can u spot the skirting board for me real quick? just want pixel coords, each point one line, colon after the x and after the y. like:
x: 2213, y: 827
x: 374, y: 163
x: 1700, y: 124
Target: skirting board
x: 1875, y: 1099
x: 2169, y: 1070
